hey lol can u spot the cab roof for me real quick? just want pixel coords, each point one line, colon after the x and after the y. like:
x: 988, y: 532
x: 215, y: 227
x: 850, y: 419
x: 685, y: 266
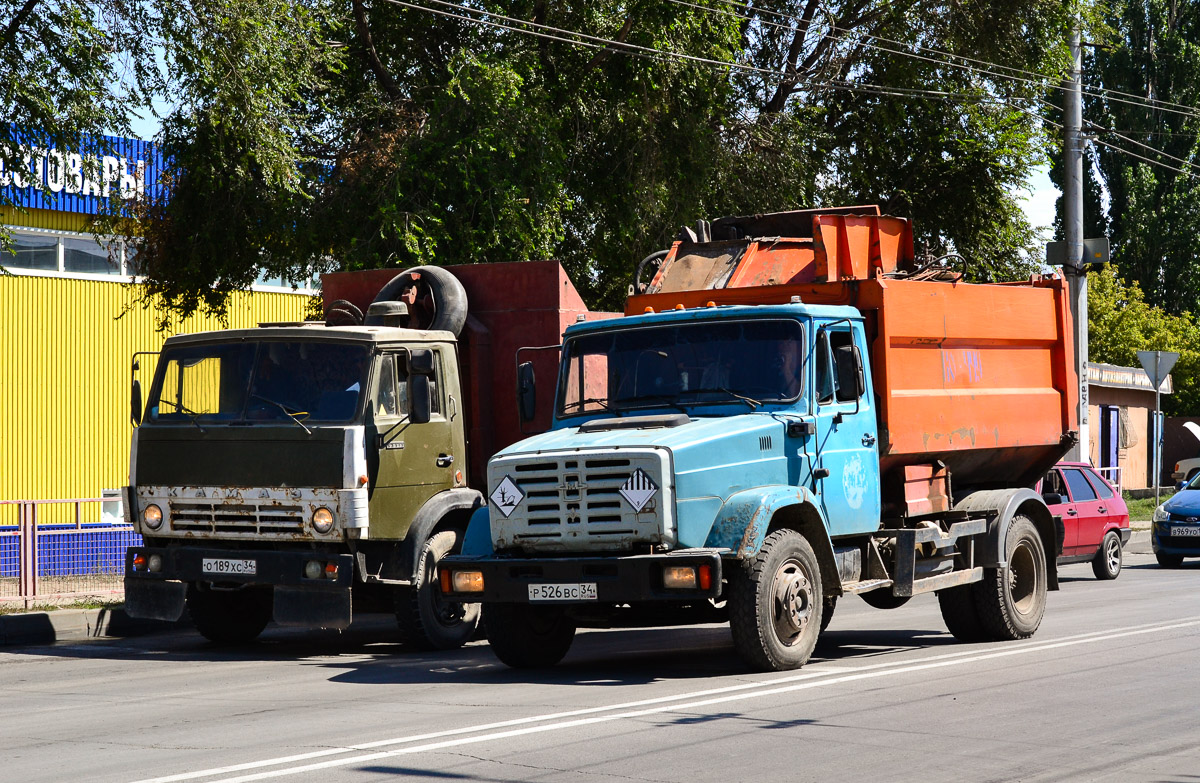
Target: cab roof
x: 315, y: 330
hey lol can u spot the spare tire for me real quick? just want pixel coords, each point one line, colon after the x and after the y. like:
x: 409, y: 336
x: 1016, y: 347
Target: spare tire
x: 449, y: 296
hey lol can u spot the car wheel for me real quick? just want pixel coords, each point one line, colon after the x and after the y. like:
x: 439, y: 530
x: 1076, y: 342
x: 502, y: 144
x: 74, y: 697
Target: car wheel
x: 1107, y: 562
x: 1168, y: 561
x: 776, y: 603
x: 1012, y: 600
x: 229, y: 616
x: 528, y: 637
x: 427, y: 619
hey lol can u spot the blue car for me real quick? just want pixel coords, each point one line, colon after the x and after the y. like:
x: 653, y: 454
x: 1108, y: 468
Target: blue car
x: 1176, y: 530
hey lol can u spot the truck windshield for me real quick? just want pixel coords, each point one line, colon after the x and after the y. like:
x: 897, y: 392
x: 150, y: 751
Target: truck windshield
x: 743, y: 362
x: 258, y: 381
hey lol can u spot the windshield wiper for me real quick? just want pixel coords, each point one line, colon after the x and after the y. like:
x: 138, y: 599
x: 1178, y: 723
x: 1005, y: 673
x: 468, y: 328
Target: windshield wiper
x: 753, y: 403
x: 665, y: 399
x: 597, y: 400
x: 186, y: 411
x: 293, y: 416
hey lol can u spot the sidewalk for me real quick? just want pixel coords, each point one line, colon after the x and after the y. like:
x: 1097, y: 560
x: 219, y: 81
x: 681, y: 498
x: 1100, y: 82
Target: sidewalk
x: 62, y: 625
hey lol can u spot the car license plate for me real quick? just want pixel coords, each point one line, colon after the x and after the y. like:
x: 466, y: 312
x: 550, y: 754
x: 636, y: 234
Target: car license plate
x: 563, y: 592
x: 1185, y: 531
x: 228, y: 565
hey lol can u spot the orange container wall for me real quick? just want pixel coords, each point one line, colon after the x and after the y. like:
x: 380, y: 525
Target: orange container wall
x: 978, y: 376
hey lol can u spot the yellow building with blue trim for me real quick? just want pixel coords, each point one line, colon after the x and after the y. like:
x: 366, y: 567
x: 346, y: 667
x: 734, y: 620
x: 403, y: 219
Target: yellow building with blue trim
x: 71, y: 319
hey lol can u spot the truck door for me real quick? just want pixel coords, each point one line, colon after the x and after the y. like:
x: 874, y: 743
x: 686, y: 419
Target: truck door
x: 846, y: 429
x: 415, y: 461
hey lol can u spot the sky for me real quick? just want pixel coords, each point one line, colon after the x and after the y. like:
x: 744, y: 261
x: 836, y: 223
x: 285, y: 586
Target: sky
x: 1039, y: 203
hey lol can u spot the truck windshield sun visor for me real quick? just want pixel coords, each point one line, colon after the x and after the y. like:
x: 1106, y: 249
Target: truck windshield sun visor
x: 297, y: 382
x: 698, y: 363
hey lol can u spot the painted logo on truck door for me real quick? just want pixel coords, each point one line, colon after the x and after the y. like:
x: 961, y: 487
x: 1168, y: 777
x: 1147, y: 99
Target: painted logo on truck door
x: 854, y: 482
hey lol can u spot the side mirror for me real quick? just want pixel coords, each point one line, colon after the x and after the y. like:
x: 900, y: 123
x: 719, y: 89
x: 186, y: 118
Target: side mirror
x: 135, y: 403
x: 419, y: 400
x: 1179, y: 487
x: 526, y: 391
x: 420, y: 362
x: 1052, y: 498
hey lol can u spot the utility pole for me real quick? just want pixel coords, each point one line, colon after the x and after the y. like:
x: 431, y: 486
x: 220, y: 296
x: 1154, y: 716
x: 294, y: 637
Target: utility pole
x: 1073, y: 266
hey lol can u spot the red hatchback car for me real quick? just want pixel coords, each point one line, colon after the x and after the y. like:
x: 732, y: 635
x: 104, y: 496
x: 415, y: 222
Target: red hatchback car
x: 1095, y: 519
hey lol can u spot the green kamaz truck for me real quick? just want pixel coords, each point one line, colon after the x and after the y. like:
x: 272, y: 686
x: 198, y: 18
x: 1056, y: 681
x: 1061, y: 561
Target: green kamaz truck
x: 299, y: 471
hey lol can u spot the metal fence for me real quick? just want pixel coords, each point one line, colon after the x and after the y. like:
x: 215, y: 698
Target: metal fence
x: 1113, y: 475
x: 46, y: 562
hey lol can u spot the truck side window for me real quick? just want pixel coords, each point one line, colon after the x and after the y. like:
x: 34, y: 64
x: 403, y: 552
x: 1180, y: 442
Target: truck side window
x: 824, y: 372
x: 846, y: 378
x: 435, y: 394
x: 388, y: 393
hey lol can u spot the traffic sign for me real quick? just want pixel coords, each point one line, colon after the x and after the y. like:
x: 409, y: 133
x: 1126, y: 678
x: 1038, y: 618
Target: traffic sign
x: 1157, y: 364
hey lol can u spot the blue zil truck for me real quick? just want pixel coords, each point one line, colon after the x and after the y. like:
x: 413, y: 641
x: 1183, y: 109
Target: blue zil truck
x: 792, y: 410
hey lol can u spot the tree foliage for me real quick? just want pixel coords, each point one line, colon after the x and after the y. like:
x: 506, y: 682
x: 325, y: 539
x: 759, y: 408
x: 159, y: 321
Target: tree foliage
x: 313, y: 134
x: 1121, y: 322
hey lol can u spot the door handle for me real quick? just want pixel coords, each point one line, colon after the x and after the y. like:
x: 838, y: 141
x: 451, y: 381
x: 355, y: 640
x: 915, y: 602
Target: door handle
x: 1102, y: 509
x: 868, y: 439
x: 1072, y: 511
x: 445, y: 460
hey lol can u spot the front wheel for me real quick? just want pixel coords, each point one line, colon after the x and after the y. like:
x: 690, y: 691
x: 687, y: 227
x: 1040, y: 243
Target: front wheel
x: 428, y: 619
x: 529, y: 637
x: 1168, y: 561
x: 1012, y: 600
x: 776, y: 604
x: 229, y: 616
x: 1107, y: 562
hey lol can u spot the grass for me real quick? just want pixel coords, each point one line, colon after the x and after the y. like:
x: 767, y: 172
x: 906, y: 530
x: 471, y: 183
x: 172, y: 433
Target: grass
x: 83, y: 602
x: 1141, y: 509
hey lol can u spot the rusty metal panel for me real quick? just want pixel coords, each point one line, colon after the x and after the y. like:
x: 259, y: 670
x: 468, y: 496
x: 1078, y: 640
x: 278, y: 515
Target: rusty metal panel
x: 65, y: 349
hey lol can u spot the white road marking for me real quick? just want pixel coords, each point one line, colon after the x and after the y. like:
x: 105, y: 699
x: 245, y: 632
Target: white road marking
x: 811, y: 677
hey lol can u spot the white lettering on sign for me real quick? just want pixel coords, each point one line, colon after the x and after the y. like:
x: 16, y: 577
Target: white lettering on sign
x: 91, y: 175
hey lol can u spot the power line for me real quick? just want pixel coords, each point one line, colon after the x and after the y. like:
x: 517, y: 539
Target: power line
x: 1151, y: 161
x: 1137, y: 143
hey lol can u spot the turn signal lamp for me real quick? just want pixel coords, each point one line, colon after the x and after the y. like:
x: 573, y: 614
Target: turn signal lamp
x: 331, y: 571
x: 648, y: 310
x: 362, y: 480
x: 680, y: 578
x: 462, y: 581
x: 139, y: 562
x: 705, y: 577
x: 152, y: 517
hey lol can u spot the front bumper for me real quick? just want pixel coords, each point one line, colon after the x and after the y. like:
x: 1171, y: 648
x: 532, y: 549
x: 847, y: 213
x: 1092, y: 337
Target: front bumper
x: 298, y: 600
x: 1161, y: 541
x: 619, y: 580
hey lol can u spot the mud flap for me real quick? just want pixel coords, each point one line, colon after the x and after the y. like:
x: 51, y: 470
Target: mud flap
x: 311, y: 608
x: 153, y: 599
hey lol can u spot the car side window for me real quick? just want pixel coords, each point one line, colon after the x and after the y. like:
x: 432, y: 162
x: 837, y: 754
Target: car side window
x: 1053, y: 484
x: 1100, y: 485
x: 1081, y: 490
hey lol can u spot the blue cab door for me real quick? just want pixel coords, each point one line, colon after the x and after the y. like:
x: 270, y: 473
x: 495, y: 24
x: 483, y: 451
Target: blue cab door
x: 847, y: 437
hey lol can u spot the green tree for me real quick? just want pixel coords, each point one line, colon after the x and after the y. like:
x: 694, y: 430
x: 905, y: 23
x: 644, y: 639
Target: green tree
x: 1121, y: 323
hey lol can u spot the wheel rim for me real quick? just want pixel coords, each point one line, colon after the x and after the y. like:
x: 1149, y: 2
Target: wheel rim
x: 792, y: 599
x: 1024, y: 578
x: 447, y: 611
x: 1113, y: 555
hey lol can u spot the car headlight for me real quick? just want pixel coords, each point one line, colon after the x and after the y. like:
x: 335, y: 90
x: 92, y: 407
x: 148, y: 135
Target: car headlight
x: 322, y: 520
x: 1160, y: 513
x: 152, y: 517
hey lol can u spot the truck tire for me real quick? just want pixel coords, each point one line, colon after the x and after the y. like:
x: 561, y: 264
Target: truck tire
x: 1168, y: 561
x: 827, y: 611
x: 884, y: 599
x: 1107, y: 562
x: 1012, y: 600
x: 449, y: 297
x: 229, y: 616
x: 776, y: 604
x: 961, y: 614
x: 427, y: 619
x: 529, y: 637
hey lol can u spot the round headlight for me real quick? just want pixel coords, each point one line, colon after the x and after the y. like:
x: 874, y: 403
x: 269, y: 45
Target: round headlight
x: 152, y: 517
x: 322, y: 520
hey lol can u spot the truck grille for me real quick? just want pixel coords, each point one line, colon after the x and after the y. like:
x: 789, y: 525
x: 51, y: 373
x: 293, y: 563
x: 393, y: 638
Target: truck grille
x: 199, y: 517
x: 573, y: 502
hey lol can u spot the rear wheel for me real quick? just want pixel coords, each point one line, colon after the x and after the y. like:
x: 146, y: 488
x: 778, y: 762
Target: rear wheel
x: 529, y: 637
x: 1107, y: 562
x: 776, y: 604
x: 229, y: 616
x: 1168, y: 561
x: 961, y: 614
x: 1012, y: 599
x: 427, y: 619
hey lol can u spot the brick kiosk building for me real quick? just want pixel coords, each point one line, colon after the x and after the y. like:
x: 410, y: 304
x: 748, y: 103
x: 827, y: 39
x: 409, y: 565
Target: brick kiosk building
x: 1121, y: 412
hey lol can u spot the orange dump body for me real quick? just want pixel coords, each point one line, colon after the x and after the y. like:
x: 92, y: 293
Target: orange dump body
x: 978, y: 377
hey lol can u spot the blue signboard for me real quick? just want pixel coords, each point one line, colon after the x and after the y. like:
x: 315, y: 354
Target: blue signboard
x: 106, y: 170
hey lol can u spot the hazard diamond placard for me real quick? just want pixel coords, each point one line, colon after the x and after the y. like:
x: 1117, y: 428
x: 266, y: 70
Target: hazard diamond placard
x: 507, y: 496
x: 638, y: 489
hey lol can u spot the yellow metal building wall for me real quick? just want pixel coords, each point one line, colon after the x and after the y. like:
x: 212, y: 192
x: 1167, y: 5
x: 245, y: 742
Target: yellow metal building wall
x: 65, y: 350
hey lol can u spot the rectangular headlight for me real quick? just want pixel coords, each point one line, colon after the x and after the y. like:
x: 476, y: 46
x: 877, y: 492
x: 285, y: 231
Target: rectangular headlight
x: 679, y: 578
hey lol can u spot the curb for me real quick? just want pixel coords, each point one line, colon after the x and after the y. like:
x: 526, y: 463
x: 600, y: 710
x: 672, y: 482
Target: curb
x: 74, y: 625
